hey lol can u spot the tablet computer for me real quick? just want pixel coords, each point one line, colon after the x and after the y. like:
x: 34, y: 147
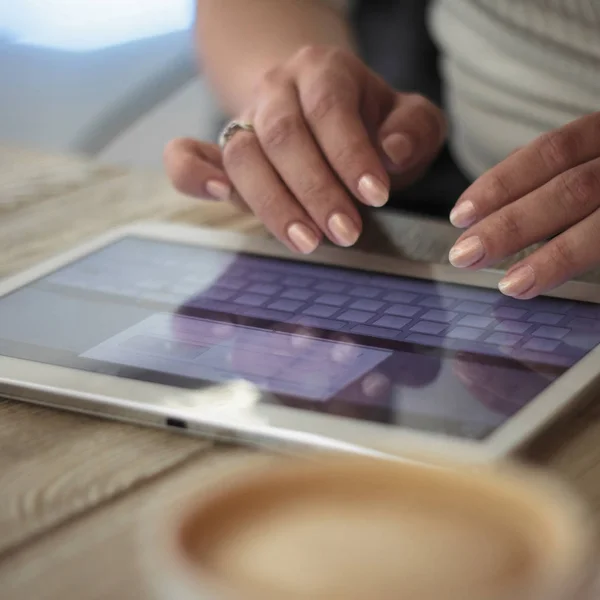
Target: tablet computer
x: 231, y: 336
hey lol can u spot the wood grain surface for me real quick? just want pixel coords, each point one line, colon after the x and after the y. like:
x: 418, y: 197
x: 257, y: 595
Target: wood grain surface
x: 73, y: 489
x: 106, y: 549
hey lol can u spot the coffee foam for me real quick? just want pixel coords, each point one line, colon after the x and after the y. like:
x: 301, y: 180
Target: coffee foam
x: 365, y: 530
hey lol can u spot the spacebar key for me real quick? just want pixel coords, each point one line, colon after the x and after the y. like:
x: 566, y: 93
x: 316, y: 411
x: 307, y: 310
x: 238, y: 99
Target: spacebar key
x: 318, y: 323
x: 265, y: 313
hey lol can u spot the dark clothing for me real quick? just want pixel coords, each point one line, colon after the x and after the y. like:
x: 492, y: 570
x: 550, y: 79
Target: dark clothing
x: 394, y: 41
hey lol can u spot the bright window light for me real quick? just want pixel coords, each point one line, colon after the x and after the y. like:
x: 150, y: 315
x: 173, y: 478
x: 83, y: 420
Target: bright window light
x: 84, y: 25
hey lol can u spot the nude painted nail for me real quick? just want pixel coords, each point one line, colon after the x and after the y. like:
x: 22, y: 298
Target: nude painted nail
x: 463, y: 214
x: 518, y: 282
x: 467, y: 253
x: 343, y: 229
x: 398, y: 148
x: 303, y: 238
x: 373, y: 191
x: 218, y: 190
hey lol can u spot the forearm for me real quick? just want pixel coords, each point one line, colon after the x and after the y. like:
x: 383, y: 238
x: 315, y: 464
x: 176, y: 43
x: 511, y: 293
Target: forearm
x: 240, y: 40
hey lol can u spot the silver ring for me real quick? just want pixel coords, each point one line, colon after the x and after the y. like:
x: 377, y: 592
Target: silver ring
x: 231, y: 129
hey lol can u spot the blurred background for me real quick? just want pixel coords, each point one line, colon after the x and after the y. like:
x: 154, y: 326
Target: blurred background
x: 115, y: 79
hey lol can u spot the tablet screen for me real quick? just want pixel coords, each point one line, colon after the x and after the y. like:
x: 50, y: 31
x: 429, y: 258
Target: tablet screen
x: 443, y: 358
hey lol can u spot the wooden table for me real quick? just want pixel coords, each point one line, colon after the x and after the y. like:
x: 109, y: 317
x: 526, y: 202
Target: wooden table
x: 74, y: 490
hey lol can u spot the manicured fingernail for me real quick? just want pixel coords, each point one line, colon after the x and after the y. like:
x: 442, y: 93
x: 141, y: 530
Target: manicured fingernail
x: 463, y: 214
x: 518, y: 282
x: 467, y: 252
x: 398, y: 148
x: 218, y: 189
x: 343, y: 229
x: 373, y: 191
x: 303, y: 238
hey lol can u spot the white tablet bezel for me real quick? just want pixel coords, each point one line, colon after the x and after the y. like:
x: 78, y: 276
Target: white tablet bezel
x: 235, y: 413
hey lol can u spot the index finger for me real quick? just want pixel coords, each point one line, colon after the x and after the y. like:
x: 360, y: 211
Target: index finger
x: 330, y: 101
x: 527, y: 169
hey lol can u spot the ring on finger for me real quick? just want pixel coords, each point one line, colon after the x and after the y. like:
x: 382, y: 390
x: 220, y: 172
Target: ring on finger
x: 231, y: 129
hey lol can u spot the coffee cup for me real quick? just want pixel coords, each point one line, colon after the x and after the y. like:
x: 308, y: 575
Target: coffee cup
x: 365, y: 529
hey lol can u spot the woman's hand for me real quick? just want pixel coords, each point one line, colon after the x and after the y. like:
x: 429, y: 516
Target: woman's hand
x: 549, y: 188
x: 327, y: 131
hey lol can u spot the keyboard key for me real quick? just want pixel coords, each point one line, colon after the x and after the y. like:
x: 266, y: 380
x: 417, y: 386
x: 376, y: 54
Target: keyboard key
x: 216, y: 305
x: 267, y: 289
x: 265, y: 313
x: 251, y: 299
x: 512, y: 326
x: 428, y: 327
x: 503, y: 339
x: 474, y: 308
x: 545, y: 318
x: 364, y: 292
x: 440, y: 316
x: 465, y: 333
x: 396, y: 323
x: 333, y: 299
x: 475, y: 321
x: 370, y: 305
x: 507, y: 312
x: 262, y: 275
x: 582, y: 340
x: 468, y: 293
x: 356, y: 316
x: 402, y: 310
x: 297, y: 281
x: 331, y: 286
x: 542, y: 345
x: 438, y: 302
x: 320, y: 310
x: 555, y: 333
x: 287, y: 305
x: 218, y: 293
x: 297, y: 294
x: 231, y: 283
x: 585, y: 324
x: 587, y: 311
x: 317, y: 323
x: 376, y: 332
x: 402, y: 297
x: 392, y: 283
x: 425, y: 340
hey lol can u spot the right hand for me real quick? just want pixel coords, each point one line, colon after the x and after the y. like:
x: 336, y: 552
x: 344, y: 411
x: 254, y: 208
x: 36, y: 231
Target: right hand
x: 328, y: 130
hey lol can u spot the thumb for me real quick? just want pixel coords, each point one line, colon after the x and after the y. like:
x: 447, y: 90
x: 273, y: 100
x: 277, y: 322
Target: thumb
x: 196, y: 169
x: 411, y: 135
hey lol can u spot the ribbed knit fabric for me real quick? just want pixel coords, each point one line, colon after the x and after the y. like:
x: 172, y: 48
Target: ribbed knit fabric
x: 514, y: 69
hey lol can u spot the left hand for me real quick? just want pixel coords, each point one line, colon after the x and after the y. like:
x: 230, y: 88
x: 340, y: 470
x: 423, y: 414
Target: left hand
x: 548, y: 188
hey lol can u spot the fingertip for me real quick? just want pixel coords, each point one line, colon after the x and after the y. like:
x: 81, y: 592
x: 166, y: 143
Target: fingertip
x: 519, y: 282
x: 373, y: 191
x: 193, y: 176
x: 177, y: 147
x: 219, y: 190
x: 399, y: 149
x: 463, y: 215
x: 303, y: 238
x: 344, y: 231
x: 189, y: 166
